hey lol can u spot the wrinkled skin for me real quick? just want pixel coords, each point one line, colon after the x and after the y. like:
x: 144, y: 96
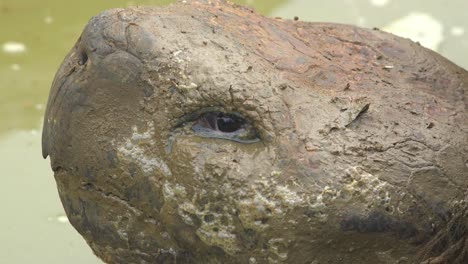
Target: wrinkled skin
x: 361, y: 152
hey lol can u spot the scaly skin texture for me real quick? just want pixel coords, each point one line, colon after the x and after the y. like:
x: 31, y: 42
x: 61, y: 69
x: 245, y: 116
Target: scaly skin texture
x: 362, y: 155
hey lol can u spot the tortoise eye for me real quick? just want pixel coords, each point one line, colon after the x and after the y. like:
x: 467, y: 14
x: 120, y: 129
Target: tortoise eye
x: 228, y: 124
x: 225, y: 126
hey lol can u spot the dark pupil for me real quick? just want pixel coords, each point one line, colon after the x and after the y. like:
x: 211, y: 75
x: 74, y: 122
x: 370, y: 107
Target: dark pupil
x: 228, y: 124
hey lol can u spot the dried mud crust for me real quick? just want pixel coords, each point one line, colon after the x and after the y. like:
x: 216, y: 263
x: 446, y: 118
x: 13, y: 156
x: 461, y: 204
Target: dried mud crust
x: 362, y: 159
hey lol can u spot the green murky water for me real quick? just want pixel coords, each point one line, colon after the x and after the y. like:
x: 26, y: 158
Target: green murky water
x: 36, y: 35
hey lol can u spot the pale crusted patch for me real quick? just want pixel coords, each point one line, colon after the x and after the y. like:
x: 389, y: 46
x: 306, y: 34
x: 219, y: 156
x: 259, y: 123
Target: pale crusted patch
x: 132, y: 149
x: 254, y: 206
x: 222, y: 237
x: 288, y: 197
x: 366, y: 185
x: 173, y: 192
x: 278, y: 250
x: 253, y: 210
x: 360, y: 187
x: 216, y: 228
x: 267, y: 199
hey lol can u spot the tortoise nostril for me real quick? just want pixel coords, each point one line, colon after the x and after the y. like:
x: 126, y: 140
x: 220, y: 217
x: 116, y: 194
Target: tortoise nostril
x: 83, y: 58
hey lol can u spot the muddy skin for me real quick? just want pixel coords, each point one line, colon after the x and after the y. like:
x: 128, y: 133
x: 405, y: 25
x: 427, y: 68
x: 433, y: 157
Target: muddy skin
x: 206, y: 133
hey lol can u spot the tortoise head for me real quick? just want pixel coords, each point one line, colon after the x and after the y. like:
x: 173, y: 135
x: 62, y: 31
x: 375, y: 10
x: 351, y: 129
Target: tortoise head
x: 203, y: 132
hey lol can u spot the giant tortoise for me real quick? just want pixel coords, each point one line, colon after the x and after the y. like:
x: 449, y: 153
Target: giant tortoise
x: 203, y: 132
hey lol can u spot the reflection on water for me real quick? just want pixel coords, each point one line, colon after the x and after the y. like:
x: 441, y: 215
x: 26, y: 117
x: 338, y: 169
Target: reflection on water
x: 34, y: 39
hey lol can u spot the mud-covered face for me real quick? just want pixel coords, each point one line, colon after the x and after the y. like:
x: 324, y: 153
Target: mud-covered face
x: 201, y: 134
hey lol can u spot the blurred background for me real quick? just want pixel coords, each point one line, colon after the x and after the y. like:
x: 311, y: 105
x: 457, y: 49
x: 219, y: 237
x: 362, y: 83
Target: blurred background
x: 35, y: 37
